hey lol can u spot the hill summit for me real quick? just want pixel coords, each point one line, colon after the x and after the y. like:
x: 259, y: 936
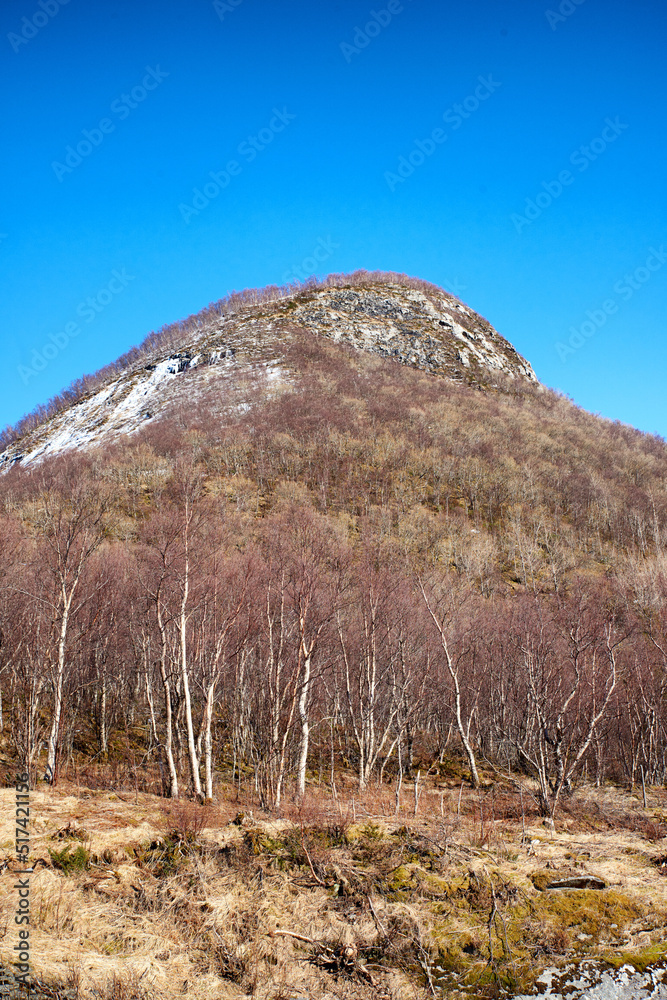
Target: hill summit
x: 249, y: 333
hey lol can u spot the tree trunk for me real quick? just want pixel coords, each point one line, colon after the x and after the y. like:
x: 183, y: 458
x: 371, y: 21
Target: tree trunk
x: 462, y: 731
x: 192, y: 747
x: 305, y: 727
x: 208, y: 742
x: 169, y: 723
x: 50, y: 773
x: 459, y: 720
x: 104, y: 739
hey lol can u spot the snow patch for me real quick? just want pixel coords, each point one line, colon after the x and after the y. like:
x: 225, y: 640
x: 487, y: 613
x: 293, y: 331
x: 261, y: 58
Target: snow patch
x: 121, y: 407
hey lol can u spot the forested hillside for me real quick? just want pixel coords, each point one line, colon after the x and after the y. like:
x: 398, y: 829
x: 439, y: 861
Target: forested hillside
x: 364, y: 566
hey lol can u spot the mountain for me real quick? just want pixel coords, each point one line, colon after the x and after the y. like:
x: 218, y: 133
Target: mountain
x: 372, y: 392
x: 333, y: 554
x: 406, y: 320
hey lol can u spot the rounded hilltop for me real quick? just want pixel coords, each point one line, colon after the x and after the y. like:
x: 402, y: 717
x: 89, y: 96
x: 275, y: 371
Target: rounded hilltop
x: 253, y: 332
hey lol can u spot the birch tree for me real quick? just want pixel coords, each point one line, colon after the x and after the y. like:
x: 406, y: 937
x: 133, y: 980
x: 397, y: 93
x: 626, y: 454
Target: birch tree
x: 70, y: 519
x: 312, y: 558
x: 444, y: 608
x: 373, y: 671
x: 566, y: 674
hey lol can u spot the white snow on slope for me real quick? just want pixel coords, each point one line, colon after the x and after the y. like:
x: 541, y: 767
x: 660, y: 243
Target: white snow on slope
x: 392, y: 321
x: 127, y: 403
x: 117, y: 408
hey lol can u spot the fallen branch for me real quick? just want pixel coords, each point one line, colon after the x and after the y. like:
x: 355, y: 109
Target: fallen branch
x: 343, y: 957
x: 310, y: 863
x: 298, y: 937
x: 377, y: 919
x: 423, y: 960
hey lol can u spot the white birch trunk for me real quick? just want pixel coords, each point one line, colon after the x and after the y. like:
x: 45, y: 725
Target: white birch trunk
x: 187, y: 703
x: 52, y: 750
x: 305, y: 726
x: 169, y: 722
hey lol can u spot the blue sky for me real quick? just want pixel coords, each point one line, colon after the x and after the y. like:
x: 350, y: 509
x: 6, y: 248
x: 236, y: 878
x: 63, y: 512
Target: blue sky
x: 530, y: 138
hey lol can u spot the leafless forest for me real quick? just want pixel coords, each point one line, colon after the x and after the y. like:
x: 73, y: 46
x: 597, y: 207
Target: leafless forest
x: 371, y: 573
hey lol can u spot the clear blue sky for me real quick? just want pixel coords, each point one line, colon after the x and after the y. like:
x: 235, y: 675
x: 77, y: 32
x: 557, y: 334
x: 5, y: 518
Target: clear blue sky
x: 179, y: 88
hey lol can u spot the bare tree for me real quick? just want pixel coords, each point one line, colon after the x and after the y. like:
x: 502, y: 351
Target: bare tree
x: 71, y: 521
x: 221, y: 635
x: 567, y: 673
x: 161, y: 537
x: 376, y: 668
x: 444, y: 605
x: 312, y: 560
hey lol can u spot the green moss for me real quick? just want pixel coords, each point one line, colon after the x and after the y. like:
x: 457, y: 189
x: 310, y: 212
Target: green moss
x: 258, y: 844
x: 541, y: 879
x: 467, y: 971
x: 371, y: 831
x: 167, y: 856
x: 530, y: 929
x: 588, y: 911
x: 640, y: 960
x: 403, y: 882
x: 437, y: 886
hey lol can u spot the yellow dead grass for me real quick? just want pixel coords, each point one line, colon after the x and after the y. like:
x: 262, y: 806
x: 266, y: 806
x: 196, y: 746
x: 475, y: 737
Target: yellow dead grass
x: 157, y: 936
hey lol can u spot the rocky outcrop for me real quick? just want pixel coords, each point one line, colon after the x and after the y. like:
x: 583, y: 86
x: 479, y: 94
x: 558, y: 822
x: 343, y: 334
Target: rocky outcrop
x: 433, y: 332
x: 426, y: 329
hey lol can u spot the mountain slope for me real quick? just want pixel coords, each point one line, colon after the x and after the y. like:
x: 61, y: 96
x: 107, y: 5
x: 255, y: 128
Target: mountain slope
x: 421, y: 326
x: 298, y: 393
x: 313, y: 556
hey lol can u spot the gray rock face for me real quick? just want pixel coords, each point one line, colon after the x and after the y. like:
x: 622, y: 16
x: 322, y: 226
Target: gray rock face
x: 429, y: 330
x: 432, y: 331
x: 590, y: 981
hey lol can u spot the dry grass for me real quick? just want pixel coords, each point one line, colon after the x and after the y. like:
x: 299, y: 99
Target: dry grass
x: 339, y: 898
